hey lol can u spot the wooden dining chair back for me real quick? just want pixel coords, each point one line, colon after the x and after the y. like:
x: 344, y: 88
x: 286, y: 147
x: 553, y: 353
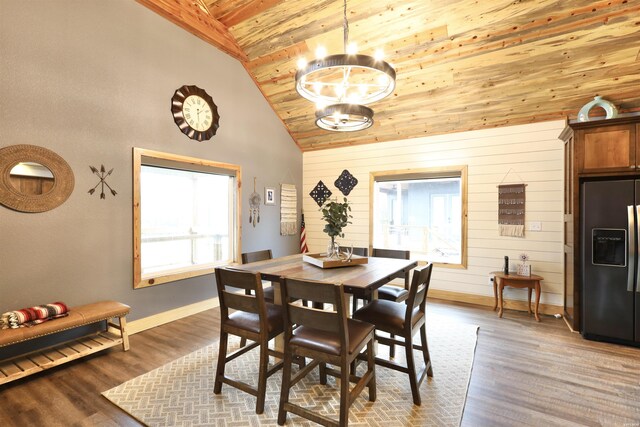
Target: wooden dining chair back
x: 324, y: 336
x: 356, y: 250
x: 397, y: 254
x: 250, y: 317
x: 256, y: 256
x: 404, y: 320
x: 263, y: 255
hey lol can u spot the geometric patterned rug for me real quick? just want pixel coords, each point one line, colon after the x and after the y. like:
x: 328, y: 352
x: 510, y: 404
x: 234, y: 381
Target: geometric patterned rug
x: 180, y: 393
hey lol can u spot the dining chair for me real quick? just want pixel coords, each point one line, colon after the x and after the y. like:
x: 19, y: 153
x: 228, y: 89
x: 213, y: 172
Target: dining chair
x: 388, y: 292
x: 325, y: 336
x: 269, y: 291
x: 253, y: 319
x: 403, y: 320
x: 265, y: 254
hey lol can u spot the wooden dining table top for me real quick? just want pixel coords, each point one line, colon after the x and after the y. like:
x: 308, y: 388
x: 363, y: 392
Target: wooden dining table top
x: 370, y: 276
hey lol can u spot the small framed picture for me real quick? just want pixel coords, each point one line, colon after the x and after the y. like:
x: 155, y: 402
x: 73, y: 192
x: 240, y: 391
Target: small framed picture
x: 269, y: 196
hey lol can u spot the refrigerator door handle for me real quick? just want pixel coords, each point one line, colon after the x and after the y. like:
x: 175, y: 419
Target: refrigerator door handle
x: 630, y: 286
x: 631, y: 249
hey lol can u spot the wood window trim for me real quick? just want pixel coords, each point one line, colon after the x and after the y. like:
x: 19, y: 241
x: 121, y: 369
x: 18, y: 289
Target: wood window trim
x: 439, y: 172
x: 138, y: 280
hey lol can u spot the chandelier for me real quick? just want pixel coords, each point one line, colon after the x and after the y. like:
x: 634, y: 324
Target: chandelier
x: 344, y: 117
x: 340, y: 85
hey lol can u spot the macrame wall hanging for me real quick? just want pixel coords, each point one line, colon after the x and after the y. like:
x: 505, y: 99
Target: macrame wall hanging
x: 511, y: 208
x: 288, y: 206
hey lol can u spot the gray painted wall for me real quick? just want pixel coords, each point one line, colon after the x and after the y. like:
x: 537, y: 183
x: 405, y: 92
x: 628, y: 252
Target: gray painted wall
x: 90, y: 79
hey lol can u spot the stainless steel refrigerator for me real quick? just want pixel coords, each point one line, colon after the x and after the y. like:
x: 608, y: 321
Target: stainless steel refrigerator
x: 610, y: 274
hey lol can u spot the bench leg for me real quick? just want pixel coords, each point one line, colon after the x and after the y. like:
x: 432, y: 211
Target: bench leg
x: 123, y: 332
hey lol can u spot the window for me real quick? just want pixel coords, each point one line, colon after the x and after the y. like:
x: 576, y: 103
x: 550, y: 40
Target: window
x: 423, y: 211
x: 185, y: 216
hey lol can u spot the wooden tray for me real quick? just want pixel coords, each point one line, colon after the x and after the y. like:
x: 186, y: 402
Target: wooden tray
x: 320, y: 260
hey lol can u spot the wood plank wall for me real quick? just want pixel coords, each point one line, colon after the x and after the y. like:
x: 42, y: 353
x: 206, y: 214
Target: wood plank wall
x: 534, y: 153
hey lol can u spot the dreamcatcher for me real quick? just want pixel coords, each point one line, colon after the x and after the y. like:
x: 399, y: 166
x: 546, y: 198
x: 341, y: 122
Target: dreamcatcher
x: 254, y: 205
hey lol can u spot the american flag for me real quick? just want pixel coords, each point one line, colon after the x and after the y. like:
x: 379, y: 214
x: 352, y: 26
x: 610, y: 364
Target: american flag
x: 303, y: 238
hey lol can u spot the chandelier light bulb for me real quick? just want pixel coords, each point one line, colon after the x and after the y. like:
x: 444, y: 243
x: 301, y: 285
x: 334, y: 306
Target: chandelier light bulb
x: 317, y: 87
x: 352, y: 48
x: 321, y: 52
x: 302, y: 63
x: 383, y: 80
x: 353, y: 98
x: 379, y: 55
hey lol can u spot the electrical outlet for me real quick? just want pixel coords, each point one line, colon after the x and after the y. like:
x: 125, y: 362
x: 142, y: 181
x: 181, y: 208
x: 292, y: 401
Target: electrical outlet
x: 491, y: 279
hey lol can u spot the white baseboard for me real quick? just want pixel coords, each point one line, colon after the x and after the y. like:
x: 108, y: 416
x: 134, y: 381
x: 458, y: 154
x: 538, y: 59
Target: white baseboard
x: 152, y: 321
x: 490, y: 301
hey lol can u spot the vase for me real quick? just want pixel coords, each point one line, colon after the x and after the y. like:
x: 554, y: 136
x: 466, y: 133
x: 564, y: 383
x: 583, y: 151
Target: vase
x: 333, y: 249
x: 608, y: 107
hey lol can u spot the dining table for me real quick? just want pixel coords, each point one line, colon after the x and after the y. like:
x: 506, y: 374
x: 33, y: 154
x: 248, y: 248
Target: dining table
x: 366, y: 278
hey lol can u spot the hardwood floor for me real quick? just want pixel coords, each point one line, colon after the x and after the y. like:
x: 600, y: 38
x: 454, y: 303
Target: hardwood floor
x: 524, y: 373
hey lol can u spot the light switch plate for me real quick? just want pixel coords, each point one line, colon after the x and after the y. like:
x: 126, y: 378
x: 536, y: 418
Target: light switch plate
x: 535, y: 226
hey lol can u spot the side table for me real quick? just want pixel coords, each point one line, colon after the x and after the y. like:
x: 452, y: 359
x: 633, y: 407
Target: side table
x: 530, y: 282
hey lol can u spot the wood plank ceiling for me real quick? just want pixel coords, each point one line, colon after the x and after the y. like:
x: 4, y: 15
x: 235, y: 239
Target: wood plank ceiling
x: 461, y: 64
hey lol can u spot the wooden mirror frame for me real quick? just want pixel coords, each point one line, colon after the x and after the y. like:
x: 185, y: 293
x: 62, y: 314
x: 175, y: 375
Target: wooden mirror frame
x: 63, y: 178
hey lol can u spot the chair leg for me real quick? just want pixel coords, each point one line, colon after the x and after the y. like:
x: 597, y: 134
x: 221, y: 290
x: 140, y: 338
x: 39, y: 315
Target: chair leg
x: 222, y: 356
x: 243, y: 342
x: 344, y: 396
x: 425, y: 350
x: 262, y: 376
x: 371, y: 366
x: 354, y: 304
x: 411, y: 366
x: 392, y: 347
x: 284, y: 389
x: 323, y: 373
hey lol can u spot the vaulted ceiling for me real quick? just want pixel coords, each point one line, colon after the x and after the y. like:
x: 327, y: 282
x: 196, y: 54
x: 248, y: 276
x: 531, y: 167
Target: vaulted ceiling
x: 461, y: 64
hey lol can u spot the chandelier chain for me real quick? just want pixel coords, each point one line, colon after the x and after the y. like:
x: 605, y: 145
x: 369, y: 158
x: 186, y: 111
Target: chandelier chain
x: 345, y: 26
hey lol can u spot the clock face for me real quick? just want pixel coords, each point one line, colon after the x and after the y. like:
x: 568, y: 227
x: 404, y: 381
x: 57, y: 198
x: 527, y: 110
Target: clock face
x: 195, y: 113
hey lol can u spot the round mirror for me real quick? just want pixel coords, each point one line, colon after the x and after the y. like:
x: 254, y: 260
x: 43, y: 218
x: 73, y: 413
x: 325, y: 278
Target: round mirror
x: 33, y: 179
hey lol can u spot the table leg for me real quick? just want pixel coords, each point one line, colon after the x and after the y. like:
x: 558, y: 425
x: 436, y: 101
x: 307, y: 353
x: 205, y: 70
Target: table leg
x: 537, y: 300
x: 495, y: 293
x: 278, y: 342
x: 501, y: 288
x: 529, y: 289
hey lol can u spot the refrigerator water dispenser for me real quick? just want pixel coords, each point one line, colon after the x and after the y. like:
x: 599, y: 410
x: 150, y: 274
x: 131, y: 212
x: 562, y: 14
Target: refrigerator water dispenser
x: 609, y: 247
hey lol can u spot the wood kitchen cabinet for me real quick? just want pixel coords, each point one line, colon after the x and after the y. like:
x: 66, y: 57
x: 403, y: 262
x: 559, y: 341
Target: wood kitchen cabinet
x: 601, y: 148
x: 608, y: 148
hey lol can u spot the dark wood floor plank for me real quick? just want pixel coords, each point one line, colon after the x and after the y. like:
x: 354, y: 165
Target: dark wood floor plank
x: 525, y: 373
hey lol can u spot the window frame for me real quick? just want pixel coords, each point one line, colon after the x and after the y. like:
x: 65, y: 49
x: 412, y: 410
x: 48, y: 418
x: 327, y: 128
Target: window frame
x: 140, y: 281
x: 427, y: 173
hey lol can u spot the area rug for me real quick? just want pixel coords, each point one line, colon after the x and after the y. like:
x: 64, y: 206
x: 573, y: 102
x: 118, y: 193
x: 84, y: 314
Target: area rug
x: 180, y: 393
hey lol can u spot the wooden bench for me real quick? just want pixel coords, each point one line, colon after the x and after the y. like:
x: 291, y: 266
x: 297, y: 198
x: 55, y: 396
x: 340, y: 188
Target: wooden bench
x: 16, y: 367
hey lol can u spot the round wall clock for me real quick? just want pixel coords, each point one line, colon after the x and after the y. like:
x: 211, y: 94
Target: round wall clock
x: 195, y: 113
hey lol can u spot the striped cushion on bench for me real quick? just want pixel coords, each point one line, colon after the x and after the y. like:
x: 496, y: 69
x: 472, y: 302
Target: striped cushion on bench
x: 78, y: 316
